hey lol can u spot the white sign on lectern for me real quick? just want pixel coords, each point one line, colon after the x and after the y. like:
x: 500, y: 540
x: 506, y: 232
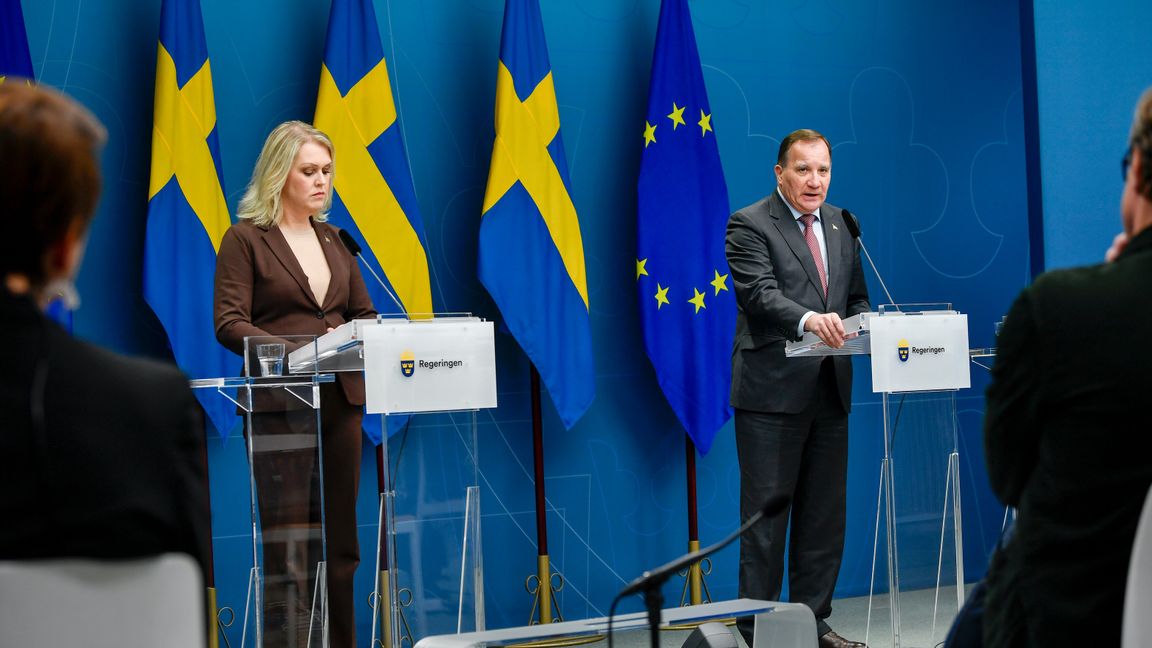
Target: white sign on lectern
x: 922, y: 351
x: 440, y: 365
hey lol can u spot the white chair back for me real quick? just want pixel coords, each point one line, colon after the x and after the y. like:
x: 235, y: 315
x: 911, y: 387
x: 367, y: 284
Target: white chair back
x: 1138, y: 594
x: 148, y: 602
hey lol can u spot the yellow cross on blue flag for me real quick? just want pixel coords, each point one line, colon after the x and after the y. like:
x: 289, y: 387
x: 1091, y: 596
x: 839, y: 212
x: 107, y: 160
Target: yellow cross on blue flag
x: 686, y: 304
x: 187, y: 213
x: 531, y: 256
x: 374, y: 197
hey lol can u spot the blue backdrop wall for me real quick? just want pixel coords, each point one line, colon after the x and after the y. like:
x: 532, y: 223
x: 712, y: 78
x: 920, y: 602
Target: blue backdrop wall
x: 921, y: 101
x: 1092, y: 64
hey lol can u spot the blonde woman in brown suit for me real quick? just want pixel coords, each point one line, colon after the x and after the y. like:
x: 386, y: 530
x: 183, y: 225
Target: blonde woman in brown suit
x: 282, y: 270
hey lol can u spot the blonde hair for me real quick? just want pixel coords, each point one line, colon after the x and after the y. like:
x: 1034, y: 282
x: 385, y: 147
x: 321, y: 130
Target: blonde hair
x: 261, y: 201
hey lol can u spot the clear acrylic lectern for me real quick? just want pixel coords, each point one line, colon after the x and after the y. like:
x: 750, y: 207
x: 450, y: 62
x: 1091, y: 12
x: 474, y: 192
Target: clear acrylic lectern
x: 436, y: 373
x: 287, y: 601
x: 920, y: 357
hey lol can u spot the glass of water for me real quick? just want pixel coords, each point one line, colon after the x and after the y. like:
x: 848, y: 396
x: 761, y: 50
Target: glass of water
x: 271, y: 357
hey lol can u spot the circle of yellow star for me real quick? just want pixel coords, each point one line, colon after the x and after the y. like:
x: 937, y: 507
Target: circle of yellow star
x: 677, y: 115
x: 649, y: 133
x: 719, y: 282
x: 705, y: 123
x: 661, y: 296
x: 698, y: 300
x: 640, y: 269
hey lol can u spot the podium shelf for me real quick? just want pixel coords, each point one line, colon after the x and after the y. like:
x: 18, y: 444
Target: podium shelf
x: 244, y: 381
x: 857, y: 340
x: 337, y: 350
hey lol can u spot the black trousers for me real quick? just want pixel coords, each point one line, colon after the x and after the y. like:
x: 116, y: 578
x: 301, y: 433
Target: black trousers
x: 803, y: 456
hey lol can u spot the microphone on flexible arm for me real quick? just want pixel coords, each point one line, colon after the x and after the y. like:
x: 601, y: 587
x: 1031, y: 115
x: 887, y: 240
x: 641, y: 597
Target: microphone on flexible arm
x: 354, y: 248
x: 656, y: 577
x: 650, y: 582
x: 854, y: 229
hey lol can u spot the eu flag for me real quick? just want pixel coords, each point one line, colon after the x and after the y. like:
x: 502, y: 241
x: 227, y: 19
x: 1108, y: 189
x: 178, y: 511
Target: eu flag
x: 14, y: 58
x: 187, y: 213
x: 531, y: 256
x: 374, y: 197
x: 686, y: 302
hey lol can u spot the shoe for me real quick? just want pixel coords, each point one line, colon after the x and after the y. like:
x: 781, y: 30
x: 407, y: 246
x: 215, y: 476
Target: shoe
x: 832, y: 640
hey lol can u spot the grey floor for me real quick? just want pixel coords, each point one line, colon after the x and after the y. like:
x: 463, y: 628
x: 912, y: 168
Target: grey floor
x: 924, y: 618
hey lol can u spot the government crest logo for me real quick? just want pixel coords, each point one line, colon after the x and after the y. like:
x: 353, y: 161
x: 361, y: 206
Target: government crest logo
x: 407, y: 363
x: 902, y: 349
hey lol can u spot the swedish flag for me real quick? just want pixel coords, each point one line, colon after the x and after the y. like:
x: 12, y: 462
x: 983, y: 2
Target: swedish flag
x: 187, y: 213
x: 531, y: 256
x: 14, y: 58
x: 686, y: 304
x: 374, y: 198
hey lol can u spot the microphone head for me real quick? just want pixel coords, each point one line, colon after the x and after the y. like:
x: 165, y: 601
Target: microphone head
x: 851, y: 223
x: 350, y: 242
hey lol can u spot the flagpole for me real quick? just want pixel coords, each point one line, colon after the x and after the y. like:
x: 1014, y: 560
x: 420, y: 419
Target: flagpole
x: 382, y: 488
x: 694, y: 576
x: 384, y: 591
x: 542, y: 587
x: 210, y: 576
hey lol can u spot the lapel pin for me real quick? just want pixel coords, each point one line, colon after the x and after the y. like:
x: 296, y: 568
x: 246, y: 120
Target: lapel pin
x: 834, y: 226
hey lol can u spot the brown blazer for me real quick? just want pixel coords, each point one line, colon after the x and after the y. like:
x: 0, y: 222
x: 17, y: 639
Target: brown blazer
x: 262, y: 290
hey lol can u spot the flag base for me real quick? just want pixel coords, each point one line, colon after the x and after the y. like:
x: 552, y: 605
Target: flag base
x: 543, y: 585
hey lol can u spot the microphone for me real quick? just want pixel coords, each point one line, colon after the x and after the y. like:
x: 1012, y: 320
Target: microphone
x: 650, y: 581
x: 850, y: 222
x: 853, y: 226
x: 354, y: 248
x: 656, y: 577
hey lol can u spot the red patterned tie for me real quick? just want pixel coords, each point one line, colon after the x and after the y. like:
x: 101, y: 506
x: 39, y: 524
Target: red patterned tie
x: 814, y: 248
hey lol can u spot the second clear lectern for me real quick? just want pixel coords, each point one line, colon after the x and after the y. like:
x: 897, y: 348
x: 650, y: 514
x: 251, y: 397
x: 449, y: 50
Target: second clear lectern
x: 429, y: 568
x: 919, y: 357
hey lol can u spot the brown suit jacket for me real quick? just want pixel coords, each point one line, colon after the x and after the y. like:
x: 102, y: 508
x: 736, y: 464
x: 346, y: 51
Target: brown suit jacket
x: 262, y: 290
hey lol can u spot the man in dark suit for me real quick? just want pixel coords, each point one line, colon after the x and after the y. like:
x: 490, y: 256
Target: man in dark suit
x: 796, y: 268
x: 101, y: 456
x: 1066, y: 435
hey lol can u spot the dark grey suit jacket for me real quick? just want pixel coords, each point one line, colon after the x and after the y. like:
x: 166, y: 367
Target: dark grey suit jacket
x: 1068, y: 442
x: 101, y: 455
x: 776, y: 283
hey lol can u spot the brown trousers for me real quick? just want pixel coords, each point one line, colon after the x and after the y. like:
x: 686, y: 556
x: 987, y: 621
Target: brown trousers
x: 286, y: 470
